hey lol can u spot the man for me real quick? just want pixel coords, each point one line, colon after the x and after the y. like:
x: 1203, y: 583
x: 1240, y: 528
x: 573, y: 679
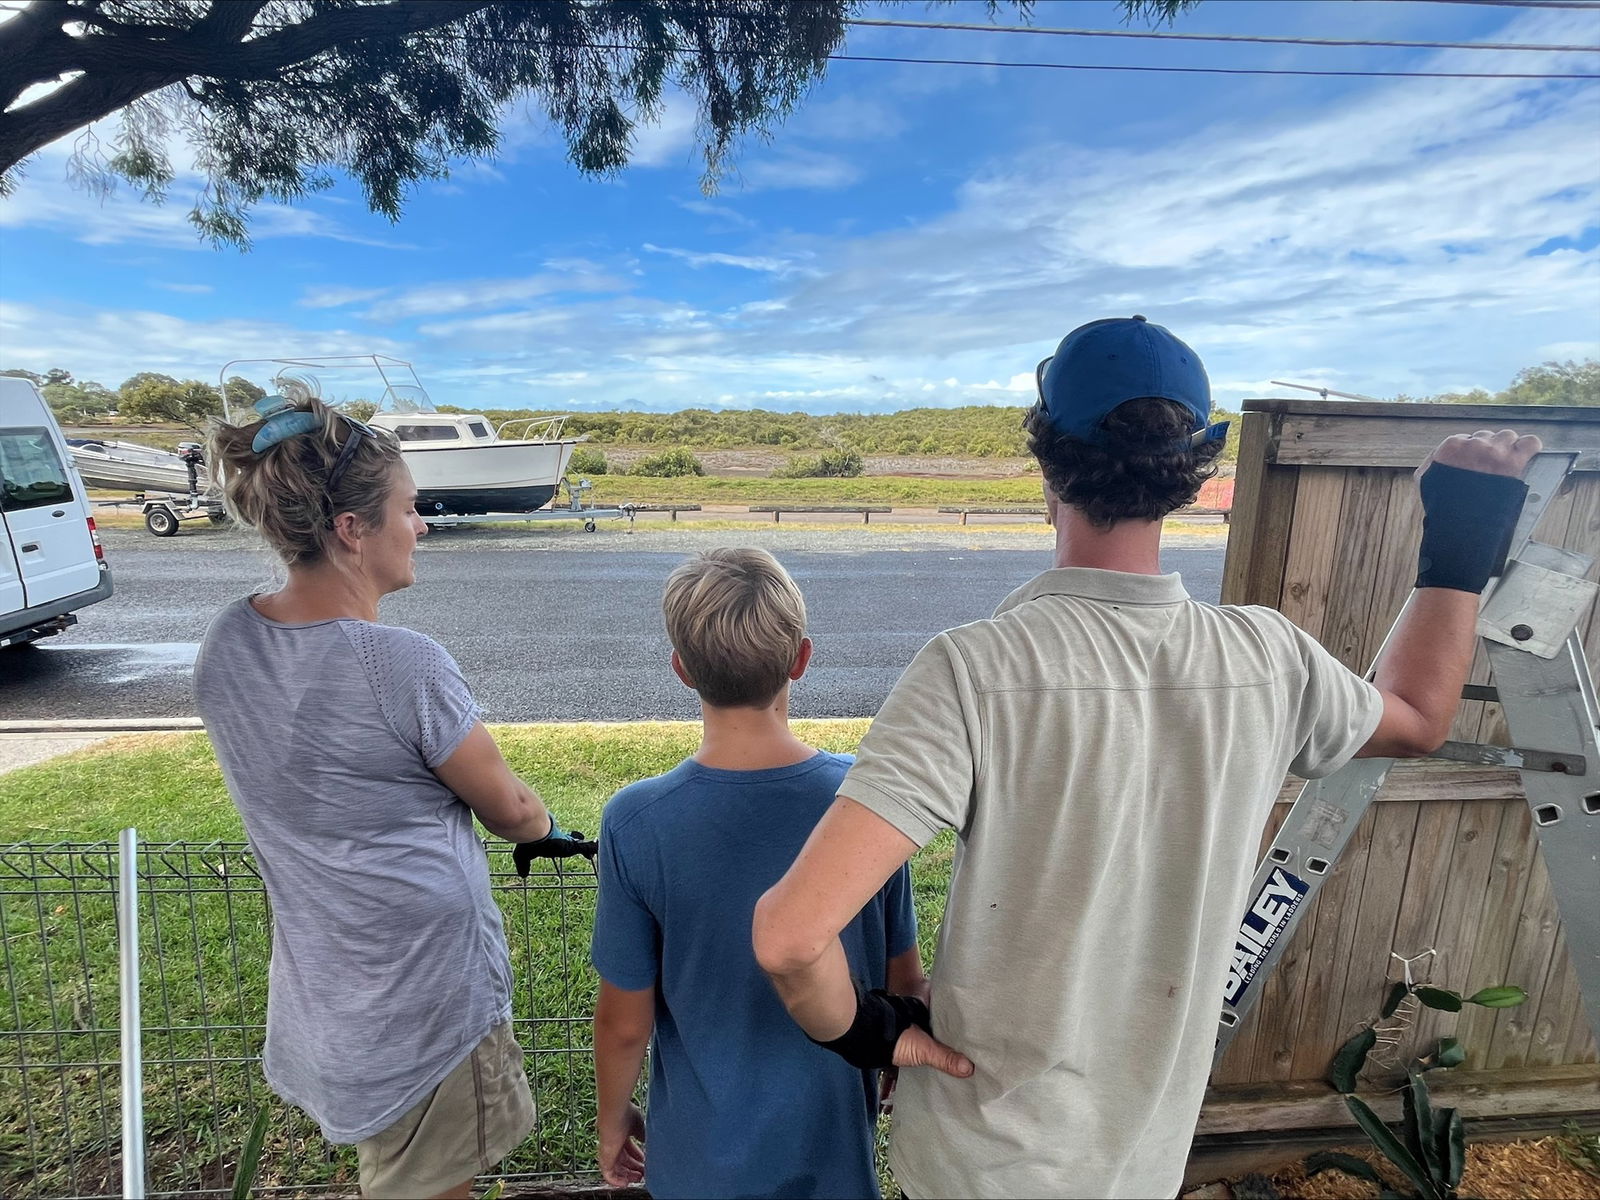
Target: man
x: 1107, y: 751
x: 741, y: 1104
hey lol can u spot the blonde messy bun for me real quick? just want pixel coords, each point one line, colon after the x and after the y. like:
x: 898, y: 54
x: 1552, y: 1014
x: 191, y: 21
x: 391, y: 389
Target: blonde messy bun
x: 282, y: 492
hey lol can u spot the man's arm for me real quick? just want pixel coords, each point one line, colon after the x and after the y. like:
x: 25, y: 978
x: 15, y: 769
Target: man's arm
x: 623, y: 1021
x: 847, y: 859
x: 1429, y: 657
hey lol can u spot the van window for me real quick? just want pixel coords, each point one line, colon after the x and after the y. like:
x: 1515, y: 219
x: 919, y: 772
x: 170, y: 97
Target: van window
x: 31, y: 470
x: 426, y: 433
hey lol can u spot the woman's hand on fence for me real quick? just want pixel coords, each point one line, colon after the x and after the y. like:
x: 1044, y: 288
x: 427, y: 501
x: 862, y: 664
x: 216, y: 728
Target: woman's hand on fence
x: 622, y: 1149
x: 558, y: 843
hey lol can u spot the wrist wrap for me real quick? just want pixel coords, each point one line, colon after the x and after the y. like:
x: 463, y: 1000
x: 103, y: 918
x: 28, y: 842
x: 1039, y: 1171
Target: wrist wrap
x: 558, y: 843
x: 880, y: 1020
x: 1468, y: 518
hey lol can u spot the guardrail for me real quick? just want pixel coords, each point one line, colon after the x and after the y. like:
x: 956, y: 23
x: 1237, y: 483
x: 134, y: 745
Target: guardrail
x: 777, y: 510
x: 672, y: 509
x: 1032, y: 510
x: 1038, y: 510
x: 205, y: 931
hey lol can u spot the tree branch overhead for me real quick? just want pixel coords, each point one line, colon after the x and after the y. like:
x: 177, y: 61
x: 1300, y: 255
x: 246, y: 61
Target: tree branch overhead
x: 275, y: 96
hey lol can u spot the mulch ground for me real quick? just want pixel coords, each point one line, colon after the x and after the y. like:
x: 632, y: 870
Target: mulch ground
x: 1531, y: 1170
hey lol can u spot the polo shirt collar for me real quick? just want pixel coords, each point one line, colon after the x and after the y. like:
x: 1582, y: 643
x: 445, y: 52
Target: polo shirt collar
x: 1091, y: 583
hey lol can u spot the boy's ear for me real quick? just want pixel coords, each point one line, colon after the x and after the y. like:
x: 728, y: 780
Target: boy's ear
x: 802, y: 659
x: 677, y: 669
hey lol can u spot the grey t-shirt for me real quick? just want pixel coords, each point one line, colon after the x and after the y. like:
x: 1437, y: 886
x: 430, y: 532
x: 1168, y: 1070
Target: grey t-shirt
x: 389, y: 960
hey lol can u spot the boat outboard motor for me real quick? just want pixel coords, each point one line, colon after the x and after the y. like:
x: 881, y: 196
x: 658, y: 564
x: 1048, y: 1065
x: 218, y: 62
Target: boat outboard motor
x: 194, y: 458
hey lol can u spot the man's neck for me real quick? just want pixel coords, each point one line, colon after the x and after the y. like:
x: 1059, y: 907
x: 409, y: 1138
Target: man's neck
x: 1130, y: 546
x: 750, y: 739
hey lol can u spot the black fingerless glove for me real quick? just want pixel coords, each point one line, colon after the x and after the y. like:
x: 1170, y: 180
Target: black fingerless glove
x: 558, y: 843
x: 880, y: 1020
x: 1468, y: 518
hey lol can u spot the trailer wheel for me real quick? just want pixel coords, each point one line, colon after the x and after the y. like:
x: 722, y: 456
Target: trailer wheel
x: 588, y: 526
x: 219, y: 518
x: 161, y: 522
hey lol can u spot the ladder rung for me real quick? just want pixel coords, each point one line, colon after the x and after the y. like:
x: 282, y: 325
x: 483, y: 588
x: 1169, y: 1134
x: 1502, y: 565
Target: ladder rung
x: 1512, y: 756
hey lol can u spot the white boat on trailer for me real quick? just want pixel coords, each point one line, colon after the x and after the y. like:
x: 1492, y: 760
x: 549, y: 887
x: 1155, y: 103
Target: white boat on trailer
x: 463, y: 466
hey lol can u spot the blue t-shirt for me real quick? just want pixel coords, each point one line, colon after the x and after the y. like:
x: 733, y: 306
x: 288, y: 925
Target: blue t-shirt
x: 741, y: 1102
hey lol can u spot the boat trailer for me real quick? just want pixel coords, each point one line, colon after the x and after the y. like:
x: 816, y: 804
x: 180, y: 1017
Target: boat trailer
x: 577, y: 508
x: 165, y: 511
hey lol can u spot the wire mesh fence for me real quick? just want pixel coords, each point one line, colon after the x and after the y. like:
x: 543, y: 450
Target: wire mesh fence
x: 205, y: 936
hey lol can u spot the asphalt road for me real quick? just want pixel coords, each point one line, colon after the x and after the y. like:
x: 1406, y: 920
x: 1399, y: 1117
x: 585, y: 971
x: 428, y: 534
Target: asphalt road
x: 550, y: 625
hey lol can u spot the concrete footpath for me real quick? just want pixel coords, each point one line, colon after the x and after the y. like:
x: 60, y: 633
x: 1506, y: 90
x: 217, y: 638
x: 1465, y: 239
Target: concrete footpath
x: 25, y: 743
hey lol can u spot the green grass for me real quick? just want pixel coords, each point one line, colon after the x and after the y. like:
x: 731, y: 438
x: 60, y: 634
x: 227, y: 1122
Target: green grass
x: 205, y: 941
x: 904, y: 490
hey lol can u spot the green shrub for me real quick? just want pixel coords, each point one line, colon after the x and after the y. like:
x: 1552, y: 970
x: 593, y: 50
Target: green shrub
x: 1432, y: 1149
x: 830, y: 464
x: 587, y: 462
x: 669, y: 464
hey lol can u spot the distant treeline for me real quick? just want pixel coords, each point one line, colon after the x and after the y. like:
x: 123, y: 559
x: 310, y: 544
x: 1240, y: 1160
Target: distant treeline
x: 977, y: 431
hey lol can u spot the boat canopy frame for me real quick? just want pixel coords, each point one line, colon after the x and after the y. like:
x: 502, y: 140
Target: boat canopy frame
x: 385, y: 365
x: 534, y: 429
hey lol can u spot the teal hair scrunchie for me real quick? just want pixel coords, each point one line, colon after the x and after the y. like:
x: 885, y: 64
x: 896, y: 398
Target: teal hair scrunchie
x: 282, y: 421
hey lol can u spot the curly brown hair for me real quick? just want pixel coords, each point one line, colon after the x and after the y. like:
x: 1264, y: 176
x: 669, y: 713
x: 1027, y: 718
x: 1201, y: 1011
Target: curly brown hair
x: 1134, y: 473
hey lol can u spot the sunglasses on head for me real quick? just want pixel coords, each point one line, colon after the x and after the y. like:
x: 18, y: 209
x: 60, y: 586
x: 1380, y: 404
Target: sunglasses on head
x: 347, y: 452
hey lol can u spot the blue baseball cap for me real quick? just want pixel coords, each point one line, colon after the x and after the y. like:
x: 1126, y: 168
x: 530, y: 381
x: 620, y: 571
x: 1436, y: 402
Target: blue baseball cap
x: 1106, y: 363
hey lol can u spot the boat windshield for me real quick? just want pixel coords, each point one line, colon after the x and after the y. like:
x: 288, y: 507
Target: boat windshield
x: 406, y: 398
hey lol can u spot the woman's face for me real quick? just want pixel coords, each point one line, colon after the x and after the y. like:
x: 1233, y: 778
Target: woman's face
x: 387, y: 551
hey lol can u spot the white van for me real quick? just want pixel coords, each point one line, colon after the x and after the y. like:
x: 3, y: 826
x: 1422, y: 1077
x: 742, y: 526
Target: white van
x: 51, y: 563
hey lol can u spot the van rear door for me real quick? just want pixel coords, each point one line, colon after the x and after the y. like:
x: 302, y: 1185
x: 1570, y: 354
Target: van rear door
x: 44, y: 516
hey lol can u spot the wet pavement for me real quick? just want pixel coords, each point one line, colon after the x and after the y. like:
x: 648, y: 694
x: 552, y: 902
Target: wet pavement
x: 550, y: 624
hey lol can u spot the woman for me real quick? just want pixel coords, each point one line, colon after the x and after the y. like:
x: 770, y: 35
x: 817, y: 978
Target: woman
x: 355, y: 754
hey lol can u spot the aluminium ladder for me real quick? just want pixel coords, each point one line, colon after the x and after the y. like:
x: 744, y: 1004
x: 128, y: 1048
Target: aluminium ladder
x: 1527, y: 620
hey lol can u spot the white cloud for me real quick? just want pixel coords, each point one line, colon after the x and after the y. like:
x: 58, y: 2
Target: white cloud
x: 795, y: 168
x: 669, y: 139
x: 336, y: 296
x: 1561, y: 351
x: 45, y: 199
x: 112, y: 344
x: 847, y: 118
x: 198, y: 289
x: 720, y: 212
x: 467, y: 295
x: 745, y: 262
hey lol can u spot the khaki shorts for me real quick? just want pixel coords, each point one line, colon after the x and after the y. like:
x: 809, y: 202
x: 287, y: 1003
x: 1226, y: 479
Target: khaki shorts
x: 464, y: 1127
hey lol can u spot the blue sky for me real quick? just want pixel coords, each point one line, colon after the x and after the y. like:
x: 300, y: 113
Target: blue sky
x: 915, y: 235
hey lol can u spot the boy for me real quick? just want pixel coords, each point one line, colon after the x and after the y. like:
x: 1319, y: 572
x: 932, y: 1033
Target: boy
x: 742, y: 1103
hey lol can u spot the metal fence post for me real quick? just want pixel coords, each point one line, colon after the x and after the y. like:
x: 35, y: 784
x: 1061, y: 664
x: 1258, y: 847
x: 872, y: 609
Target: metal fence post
x: 132, y: 1060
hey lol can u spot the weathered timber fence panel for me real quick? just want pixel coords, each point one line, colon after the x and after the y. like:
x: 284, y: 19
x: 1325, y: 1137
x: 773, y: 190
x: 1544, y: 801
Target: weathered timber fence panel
x: 1325, y: 528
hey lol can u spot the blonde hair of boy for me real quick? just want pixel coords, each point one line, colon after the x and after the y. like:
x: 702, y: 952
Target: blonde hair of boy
x: 736, y: 620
